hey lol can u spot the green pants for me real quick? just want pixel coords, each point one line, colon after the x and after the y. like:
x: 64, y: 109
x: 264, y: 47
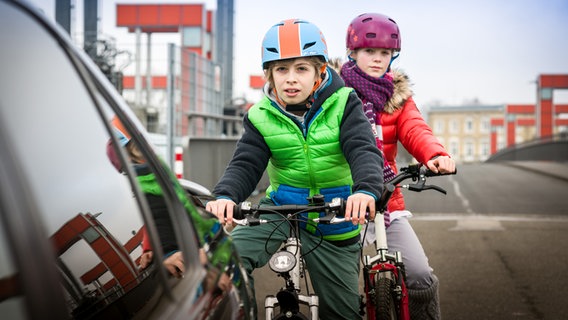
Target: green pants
x: 334, y: 270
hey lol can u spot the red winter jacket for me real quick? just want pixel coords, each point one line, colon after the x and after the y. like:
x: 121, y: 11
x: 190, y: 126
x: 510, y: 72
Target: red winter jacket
x: 401, y: 121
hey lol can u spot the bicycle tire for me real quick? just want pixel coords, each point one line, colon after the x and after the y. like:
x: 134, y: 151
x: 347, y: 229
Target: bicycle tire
x: 385, y: 308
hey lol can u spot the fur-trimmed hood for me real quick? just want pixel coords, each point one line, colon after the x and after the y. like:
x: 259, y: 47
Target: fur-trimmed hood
x: 401, y: 81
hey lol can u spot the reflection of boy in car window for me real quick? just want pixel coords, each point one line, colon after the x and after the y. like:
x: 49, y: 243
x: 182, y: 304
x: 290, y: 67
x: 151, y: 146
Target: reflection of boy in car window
x: 207, y: 229
x: 153, y: 194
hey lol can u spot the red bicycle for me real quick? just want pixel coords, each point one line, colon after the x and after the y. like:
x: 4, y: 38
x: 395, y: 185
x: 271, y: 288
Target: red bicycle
x: 384, y: 275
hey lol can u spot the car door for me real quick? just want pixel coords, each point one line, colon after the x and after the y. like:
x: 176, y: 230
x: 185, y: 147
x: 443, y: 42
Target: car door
x: 72, y: 224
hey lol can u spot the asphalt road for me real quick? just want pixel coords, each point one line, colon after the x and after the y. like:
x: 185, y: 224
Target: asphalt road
x: 496, y: 241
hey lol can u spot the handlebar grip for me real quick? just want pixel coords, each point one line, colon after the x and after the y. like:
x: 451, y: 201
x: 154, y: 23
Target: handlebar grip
x: 240, y: 210
x: 429, y: 173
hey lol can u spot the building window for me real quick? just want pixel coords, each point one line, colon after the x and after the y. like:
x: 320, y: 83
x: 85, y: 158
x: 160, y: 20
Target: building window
x: 469, y: 149
x: 439, y: 126
x: 191, y: 37
x: 485, y: 125
x: 485, y: 149
x: 468, y: 125
x: 546, y: 93
x: 454, y: 126
x: 90, y: 235
x: 454, y: 148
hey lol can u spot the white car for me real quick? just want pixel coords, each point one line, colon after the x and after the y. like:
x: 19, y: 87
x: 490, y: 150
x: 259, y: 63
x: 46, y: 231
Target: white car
x: 77, y: 213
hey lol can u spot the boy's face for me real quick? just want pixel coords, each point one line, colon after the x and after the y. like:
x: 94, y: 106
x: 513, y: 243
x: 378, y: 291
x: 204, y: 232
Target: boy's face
x: 373, y: 61
x: 294, y: 79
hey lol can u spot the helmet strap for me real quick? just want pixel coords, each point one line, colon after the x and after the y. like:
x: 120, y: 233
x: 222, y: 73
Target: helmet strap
x: 394, y: 56
x: 321, y: 77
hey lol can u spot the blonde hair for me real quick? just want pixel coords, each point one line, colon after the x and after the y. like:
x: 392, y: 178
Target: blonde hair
x: 134, y: 153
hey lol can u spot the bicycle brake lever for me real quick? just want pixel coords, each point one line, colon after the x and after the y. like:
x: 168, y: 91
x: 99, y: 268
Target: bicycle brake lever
x: 325, y: 219
x: 439, y: 189
x: 418, y: 187
x: 331, y: 220
x: 415, y: 187
x: 249, y: 220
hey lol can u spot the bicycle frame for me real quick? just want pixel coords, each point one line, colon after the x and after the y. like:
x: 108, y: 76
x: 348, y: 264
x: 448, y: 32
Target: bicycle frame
x: 384, y: 273
x: 288, y: 261
x: 289, y: 298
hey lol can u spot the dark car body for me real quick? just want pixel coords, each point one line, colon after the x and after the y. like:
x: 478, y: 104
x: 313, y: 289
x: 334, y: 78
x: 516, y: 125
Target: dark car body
x: 74, y: 208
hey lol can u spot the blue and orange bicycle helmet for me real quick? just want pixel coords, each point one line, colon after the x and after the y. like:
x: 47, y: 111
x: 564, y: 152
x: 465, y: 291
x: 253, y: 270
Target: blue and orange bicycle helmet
x: 293, y: 38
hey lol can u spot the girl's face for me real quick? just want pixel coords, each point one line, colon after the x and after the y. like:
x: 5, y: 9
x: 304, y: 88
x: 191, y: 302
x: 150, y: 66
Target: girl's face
x: 294, y: 79
x: 373, y: 61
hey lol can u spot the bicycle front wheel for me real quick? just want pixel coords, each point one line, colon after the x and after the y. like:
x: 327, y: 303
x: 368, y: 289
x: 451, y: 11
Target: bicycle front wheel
x: 385, y: 308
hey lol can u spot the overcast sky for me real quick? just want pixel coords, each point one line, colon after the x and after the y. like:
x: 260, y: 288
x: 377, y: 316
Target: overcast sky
x: 454, y: 51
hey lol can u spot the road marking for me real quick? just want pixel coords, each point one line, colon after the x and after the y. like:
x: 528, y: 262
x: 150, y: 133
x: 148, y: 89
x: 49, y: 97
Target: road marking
x: 478, y: 223
x: 514, y: 217
x: 464, y: 201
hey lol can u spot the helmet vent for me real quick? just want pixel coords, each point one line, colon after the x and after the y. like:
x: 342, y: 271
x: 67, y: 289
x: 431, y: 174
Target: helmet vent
x: 366, y: 20
x: 371, y: 35
x: 272, y: 50
x: 309, y: 44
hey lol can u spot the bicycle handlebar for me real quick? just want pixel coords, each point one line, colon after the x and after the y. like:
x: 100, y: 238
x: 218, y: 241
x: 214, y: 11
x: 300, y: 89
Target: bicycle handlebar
x: 246, y: 213
x: 416, y: 172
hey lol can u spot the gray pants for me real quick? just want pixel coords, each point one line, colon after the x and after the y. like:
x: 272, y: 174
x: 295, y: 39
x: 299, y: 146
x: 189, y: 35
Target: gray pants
x: 401, y: 237
x: 424, y: 302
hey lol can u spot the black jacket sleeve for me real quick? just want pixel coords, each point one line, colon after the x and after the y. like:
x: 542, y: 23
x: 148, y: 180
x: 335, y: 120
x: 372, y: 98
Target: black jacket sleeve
x: 246, y: 167
x: 360, y: 148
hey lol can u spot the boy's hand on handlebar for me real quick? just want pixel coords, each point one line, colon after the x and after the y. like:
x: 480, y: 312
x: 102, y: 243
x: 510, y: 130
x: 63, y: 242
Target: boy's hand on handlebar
x: 357, y: 206
x: 441, y: 164
x: 175, y: 265
x: 223, y: 209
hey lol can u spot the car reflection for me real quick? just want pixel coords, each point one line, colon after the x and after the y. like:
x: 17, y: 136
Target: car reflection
x: 130, y: 288
x: 91, y: 295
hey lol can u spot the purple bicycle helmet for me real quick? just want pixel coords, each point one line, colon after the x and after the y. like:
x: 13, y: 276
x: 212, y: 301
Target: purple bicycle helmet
x: 373, y: 30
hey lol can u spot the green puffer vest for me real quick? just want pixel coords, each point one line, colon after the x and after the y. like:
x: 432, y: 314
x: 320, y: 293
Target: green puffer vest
x: 302, y: 166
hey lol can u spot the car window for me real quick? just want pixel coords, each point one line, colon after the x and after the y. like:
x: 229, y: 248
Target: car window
x: 91, y: 211
x: 11, y: 303
x: 94, y: 201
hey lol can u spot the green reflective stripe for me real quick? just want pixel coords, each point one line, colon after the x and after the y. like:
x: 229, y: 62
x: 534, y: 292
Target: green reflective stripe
x: 311, y: 226
x: 343, y: 236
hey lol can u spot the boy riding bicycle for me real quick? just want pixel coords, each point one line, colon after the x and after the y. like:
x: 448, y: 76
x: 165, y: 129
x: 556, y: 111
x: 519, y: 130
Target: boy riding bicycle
x: 311, y: 136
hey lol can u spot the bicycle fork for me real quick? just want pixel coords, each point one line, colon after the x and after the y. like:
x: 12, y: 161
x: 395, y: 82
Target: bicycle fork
x: 289, y: 298
x: 384, y: 265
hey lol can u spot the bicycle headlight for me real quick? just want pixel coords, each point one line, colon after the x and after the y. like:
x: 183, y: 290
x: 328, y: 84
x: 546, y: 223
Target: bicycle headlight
x: 282, y: 261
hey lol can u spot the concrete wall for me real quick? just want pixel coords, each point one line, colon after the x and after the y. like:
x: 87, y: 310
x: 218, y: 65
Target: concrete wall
x: 205, y: 160
x: 556, y: 151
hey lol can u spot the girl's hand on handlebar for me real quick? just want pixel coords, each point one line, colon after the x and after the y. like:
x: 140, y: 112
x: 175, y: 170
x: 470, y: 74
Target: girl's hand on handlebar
x: 223, y: 209
x: 357, y: 206
x: 441, y: 164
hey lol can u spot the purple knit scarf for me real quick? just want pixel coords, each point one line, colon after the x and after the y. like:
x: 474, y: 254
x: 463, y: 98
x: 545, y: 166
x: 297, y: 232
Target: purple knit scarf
x: 374, y: 93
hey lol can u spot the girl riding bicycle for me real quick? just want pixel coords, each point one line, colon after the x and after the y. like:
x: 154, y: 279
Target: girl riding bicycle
x: 310, y: 134
x: 373, y: 43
